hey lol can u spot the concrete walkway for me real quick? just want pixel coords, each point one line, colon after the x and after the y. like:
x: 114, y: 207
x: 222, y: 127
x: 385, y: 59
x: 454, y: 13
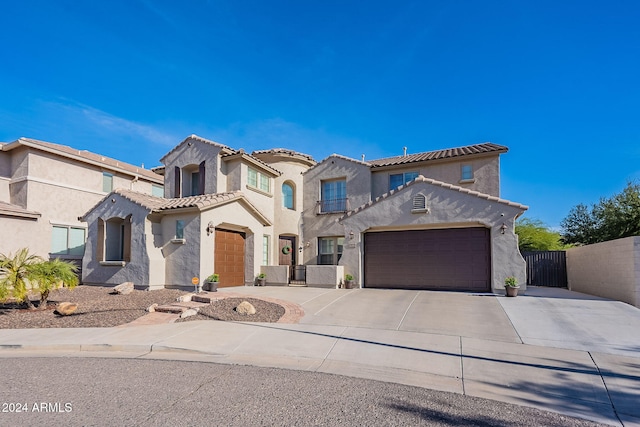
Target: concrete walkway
x: 552, y: 349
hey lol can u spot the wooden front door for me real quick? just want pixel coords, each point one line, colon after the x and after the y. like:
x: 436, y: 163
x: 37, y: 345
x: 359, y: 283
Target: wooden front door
x: 287, y: 251
x: 229, y: 257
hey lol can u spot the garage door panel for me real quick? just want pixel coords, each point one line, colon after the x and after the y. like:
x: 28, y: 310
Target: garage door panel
x: 443, y: 259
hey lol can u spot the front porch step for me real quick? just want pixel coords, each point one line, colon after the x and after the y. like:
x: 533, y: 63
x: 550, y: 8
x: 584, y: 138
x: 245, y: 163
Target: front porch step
x: 171, y: 309
x: 298, y: 285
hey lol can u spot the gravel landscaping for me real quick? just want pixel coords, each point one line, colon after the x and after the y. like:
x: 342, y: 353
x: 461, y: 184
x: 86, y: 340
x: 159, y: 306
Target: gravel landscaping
x: 99, y: 308
x: 225, y: 310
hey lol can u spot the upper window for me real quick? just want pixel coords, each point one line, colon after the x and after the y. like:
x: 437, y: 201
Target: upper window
x: 157, y: 190
x: 259, y: 180
x: 107, y: 182
x: 330, y: 250
x: 398, y: 179
x: 287, y: 196
x: 466, y: 172
x: 333, y: 195
x: 195, y: 183
x: 67, y: 240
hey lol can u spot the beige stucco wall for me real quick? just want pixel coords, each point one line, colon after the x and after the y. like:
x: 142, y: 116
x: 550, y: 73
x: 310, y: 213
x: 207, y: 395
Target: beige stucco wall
x: 608, y: 269
x: 18, y: 233
x: 358, y: 186
x: 448, y: 208
x: 486, y: 172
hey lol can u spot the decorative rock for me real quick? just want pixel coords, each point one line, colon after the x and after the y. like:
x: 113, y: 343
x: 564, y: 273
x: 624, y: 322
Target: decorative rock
x: 152, y: 308
x: 184, y: 298
x: 188, y: 313
x: 66, y: 308
x: 123, y: 288
x: 245, y: 308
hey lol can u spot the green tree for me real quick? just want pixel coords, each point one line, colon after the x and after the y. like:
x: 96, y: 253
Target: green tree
x: 533, y: 235
x: 612, y: 218
x: 51, y: 275
x: 15, y: 271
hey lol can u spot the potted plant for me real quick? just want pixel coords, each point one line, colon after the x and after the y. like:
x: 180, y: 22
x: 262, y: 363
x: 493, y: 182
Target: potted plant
x: 261, y: 279
x: 511, y: 286
x: 348, y: 281
x: 211, y: 282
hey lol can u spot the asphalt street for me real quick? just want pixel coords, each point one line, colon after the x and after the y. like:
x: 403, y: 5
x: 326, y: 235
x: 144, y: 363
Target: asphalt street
x: 131, y: 392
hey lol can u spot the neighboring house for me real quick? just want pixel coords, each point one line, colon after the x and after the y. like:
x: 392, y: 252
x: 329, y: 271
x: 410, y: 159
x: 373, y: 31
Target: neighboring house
x: 45, y: 187
x: 431, y: 220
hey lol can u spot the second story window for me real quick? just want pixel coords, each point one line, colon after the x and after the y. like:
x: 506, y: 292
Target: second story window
x: 333, y: 195
x: 107, y: 182
x: 157, y: 190
x: 466, y: 173
x: 398, y: 179
x: 287, y: 196
x: 258, y: 180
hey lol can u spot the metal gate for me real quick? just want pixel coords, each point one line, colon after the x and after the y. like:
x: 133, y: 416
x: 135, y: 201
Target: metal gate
x: 546, y: 268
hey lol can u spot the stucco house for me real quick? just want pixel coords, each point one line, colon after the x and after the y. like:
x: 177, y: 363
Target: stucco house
x: 45, y: 187
x: 432, y: 220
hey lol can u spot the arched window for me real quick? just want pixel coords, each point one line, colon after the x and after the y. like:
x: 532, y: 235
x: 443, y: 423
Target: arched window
x: 287, y: 196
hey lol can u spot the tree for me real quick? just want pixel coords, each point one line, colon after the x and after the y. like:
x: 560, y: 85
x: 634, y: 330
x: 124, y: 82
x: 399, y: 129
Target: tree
x: 15, y: 271
x: 533, y: 235
x: 51, y: 275
x: 612, y: 218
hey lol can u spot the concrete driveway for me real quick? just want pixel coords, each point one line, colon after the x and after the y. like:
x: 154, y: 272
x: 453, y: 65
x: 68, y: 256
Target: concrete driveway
x: 550, y: 317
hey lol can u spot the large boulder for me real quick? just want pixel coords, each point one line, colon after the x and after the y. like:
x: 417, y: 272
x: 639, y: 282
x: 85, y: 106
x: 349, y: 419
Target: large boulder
x: 245, y: 308
x: 66, y: 308
x: 123, y: 288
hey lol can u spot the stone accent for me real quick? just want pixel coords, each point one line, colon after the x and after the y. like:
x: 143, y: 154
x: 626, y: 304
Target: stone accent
x: 66, y: 308
x: 184, y: 298
x: 245, y: 308
x: 152, y: 308
x: 188, y: 313
x: 123, y: 288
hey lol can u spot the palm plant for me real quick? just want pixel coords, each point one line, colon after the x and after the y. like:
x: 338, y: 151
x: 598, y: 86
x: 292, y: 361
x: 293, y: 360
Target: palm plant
x: 51, y: 275
x: 15, y: 272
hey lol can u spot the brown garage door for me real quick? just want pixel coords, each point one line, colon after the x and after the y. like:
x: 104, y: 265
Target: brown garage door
x: 456, y: 259
x: 229, y: 258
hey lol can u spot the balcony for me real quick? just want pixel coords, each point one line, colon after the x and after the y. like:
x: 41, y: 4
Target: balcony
x: 332, y: 206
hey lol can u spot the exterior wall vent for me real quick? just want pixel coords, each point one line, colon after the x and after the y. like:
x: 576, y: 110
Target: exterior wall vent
x: 419, y: 204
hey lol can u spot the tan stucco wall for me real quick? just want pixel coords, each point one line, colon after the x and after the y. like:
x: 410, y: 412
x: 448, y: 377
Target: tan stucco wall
x: 448, y: 208
x: 608, y: 269
x: 5, y: 164
x: 486, y: 172
x: 358, y: 185
x: 22, y: 233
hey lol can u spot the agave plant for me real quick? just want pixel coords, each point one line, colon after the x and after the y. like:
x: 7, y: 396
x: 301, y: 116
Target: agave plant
x: 50, y: 275
x: 15, y: 272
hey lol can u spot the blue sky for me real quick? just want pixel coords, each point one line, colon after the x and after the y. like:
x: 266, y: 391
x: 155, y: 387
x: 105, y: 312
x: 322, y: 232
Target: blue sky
x: 558, y: 82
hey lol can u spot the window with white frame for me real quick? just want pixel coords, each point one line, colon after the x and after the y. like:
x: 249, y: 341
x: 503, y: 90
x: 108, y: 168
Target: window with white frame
x: 68, y: 240
x: 259, y: 180
x: 330, y: 250
x: 398, y: 179
x: 107, y: 182
x: 333, y: 195
x: 265, y: 250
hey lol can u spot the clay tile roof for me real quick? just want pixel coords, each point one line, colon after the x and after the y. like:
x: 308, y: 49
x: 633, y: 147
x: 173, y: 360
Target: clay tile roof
x: 87, y: 156
x: 201, y: 139
x: 284, y: 151
x: 421, y: 178
x: 487, y: 147
x: 157, y: 204
x: 7, y: 209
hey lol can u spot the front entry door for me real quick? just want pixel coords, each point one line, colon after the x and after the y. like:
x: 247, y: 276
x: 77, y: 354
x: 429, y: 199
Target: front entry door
x: 287, y: 252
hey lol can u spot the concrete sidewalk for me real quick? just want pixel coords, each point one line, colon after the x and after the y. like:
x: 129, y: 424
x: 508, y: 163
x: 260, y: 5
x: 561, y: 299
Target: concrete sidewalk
x: 355, y: 333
